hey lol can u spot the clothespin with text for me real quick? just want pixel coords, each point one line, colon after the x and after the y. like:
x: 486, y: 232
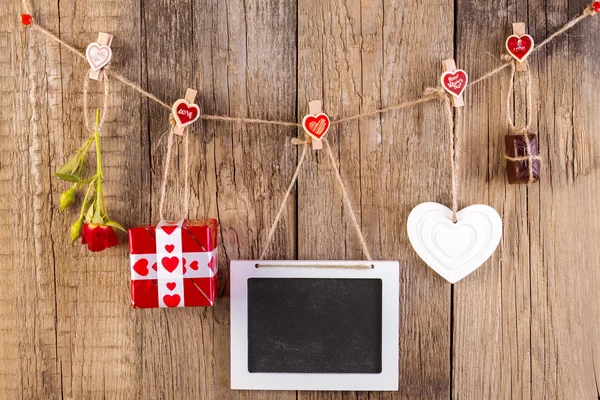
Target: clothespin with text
x: 185, y: 111
x: 519, y: 45
x: 454, y: 81
x: 316, y: 123
x: 98, y: 54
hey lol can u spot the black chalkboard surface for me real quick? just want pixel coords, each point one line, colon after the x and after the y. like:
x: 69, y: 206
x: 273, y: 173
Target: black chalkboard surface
x: 314, y: 325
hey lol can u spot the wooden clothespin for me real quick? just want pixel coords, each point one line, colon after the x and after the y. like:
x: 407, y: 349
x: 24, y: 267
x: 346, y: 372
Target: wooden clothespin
x: 185, y: 111
x: 519, y: 45
x: 454, y: 81
x: 316, y: 123
x: 99, y: 54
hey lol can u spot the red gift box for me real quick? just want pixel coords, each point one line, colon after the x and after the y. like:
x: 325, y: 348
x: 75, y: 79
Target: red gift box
x: 174, y: 264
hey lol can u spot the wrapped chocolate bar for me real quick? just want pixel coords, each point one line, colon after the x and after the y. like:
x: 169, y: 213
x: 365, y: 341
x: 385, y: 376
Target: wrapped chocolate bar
x: 522, y: 159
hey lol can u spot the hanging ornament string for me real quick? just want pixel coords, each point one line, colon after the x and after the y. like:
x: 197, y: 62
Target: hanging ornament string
x: 340, y: 184
x: 525, y: 131
x: 30, y: 22
x: 165, y: 177
x: 86, y: 87
x: 455, y: 127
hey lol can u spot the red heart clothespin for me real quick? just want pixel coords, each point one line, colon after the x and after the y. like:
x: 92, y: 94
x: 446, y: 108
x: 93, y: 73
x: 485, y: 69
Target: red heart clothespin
x: 316, y: 123
x: 454, y: 81
x: 185, y: 111
x: 519, y: 45
x: 99, y: 54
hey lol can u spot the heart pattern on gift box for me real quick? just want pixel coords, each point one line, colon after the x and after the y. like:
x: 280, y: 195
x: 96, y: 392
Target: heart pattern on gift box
x: 169, y: 248
x: 185, y: 112
x: 519, y: 47
x: 168, y: 229
x: 170, y: 263
x: 141, y: 267
x: 98, y: 55
x: 316, y: 125
x: 455, y: 82
x: 454, y: 250
x: 171, y: 285
x: 171, y: 300
x: 194, y: 265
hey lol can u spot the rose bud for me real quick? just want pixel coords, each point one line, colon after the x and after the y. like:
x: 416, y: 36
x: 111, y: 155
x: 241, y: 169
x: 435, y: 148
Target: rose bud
x: 76, y: 230
x: 98, y: 237
x: 67, y: 199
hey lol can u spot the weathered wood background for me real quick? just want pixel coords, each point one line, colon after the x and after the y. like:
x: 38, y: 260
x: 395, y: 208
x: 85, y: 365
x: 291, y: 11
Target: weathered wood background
x: 525, y: 325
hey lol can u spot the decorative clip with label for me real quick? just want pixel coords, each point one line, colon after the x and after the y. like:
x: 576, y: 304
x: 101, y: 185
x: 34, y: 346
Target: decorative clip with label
x: 99, y: 54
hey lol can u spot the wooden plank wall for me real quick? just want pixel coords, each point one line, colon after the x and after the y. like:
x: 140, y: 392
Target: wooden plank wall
x: 523, y: 326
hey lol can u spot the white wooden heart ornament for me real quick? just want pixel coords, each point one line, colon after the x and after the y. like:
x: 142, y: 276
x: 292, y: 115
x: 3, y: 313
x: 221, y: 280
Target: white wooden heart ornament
x: 454, y: 250
x: 98, y: 55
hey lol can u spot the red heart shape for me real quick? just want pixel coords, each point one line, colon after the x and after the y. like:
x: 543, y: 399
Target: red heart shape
x: 316, y: 125
x: 170, y: 263
x: 169, y: 229
x: 212, y: 264
x: 194, y: 265
x: 184, y: 270
x: 519, y: 46
x: 171, y: 285
x: 455, y: 82
x: 185, y: 113
x: 141, y: 267
x: 171, y: 300
x: 170, y: 247
x: 596, y: 6
x: 154, y: 266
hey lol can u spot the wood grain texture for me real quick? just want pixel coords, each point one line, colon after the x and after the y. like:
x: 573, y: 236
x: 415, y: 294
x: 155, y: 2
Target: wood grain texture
x: 522, y: 326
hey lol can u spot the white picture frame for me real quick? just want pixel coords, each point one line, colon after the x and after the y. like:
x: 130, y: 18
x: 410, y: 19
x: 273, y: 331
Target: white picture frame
x: 241, y: 378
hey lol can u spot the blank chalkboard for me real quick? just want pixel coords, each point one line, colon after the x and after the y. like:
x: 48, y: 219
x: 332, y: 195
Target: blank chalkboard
x: 314, y: 325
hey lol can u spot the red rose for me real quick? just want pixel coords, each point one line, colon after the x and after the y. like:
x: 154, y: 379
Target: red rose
x: 98, y: 237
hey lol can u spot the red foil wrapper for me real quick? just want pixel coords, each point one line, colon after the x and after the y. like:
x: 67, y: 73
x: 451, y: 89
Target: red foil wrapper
x: 518, y: 171
x: 199, y: 259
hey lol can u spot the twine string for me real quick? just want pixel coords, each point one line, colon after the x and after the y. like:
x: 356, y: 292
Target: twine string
x: 285, y: 198
x: 333, y: 266
x: 347, y: 202
x: 528, y: 157
x: 340, y: 184
x: 454, y: 127
x: 588, y: 11
x: 165, y: 177
x: 86, y: 87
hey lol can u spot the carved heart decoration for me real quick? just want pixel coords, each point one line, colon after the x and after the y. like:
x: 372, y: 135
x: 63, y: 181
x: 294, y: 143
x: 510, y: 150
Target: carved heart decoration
x: 519, y: 47
x: 170, y: 263
x: 98, y: 55
x: 316, y: 125
x: 141, y: 267
x: 169, y: 229
x: 454, y: 250
x: 455, y: 82
x: 185, y: 112
x: 171, y: 300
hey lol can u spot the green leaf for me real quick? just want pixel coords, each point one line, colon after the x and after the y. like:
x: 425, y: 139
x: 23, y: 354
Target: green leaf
x: 68, y: 177
x: 70, y: 166
x: 97, y: 218
x: 90, y: 213
x: 115, y: 224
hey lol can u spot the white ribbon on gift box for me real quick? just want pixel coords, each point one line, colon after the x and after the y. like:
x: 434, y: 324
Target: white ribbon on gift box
x: 162, y: 275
